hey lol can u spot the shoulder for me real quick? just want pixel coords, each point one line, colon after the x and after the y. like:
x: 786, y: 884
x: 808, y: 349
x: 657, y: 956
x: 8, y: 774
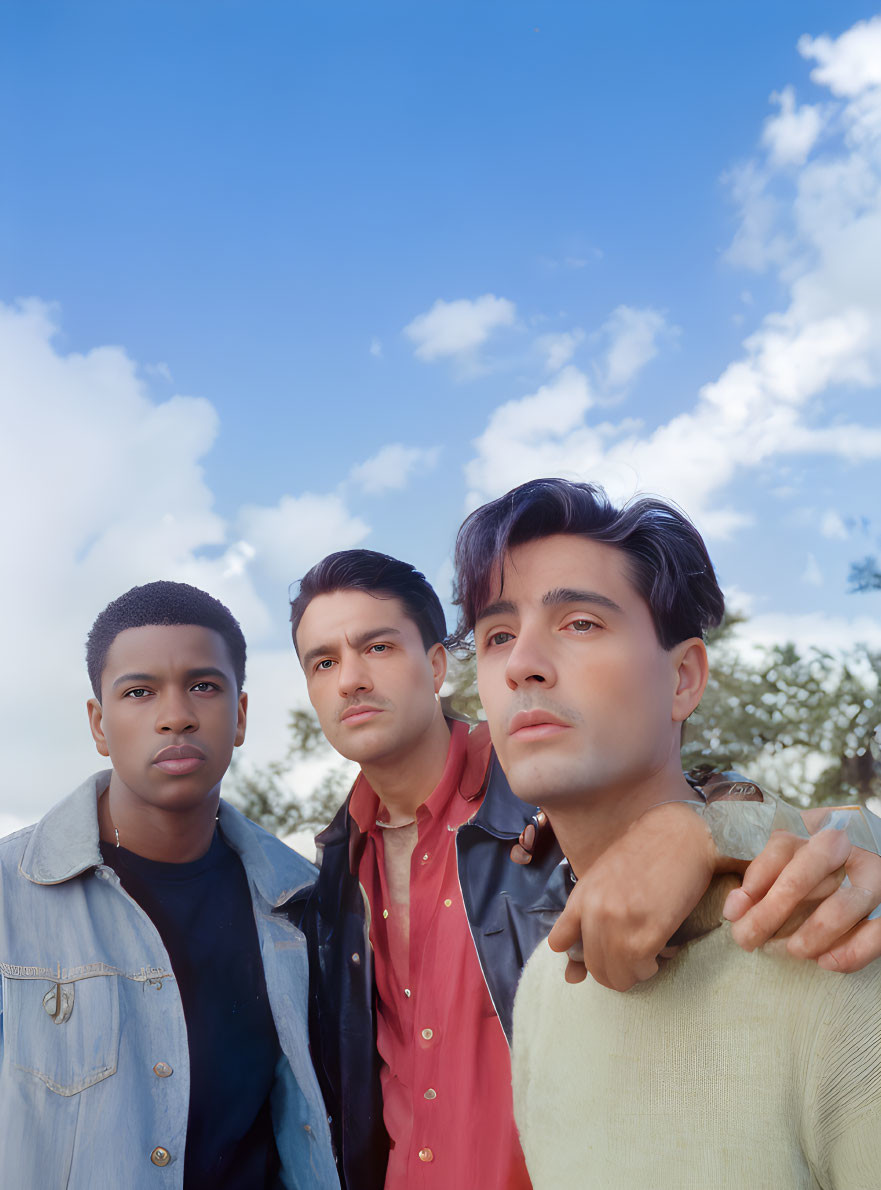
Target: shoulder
x: 252, y: 842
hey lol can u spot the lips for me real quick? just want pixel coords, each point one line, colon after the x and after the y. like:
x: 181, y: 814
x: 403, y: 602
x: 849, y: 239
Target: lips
x: 536, y: 724
x: 179, y: 759
x: 359, y: 713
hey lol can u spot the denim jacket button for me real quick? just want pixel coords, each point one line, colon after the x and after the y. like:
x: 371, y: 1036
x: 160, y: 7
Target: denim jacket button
x: 162, y: 1070
x: 160, y: 1156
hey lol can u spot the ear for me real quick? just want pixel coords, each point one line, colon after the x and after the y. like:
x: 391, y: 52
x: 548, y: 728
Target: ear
x: 692, y: 670
x: 96, y: 717
x: 437, y: 656
x: 241, y: 719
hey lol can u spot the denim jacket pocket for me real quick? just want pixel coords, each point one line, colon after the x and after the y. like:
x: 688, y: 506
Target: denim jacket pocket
x: 66, y: 1032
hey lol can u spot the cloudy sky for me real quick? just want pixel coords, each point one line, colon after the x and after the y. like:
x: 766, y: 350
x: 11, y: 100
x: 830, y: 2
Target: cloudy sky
x: 278, y: 278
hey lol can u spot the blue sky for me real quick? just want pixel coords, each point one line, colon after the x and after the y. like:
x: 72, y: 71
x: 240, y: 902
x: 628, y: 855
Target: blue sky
x: 277, y: 278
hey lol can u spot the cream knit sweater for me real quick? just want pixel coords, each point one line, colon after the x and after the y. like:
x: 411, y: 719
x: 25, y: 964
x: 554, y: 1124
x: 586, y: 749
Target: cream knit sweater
x: 726, y: 1070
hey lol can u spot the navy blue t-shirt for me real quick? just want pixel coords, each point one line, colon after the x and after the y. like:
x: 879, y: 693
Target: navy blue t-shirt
x: 205, y: 917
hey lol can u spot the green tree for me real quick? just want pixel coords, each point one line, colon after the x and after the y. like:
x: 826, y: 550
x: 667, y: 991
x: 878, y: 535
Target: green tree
x: 805, y: 724
x: 267, y: 796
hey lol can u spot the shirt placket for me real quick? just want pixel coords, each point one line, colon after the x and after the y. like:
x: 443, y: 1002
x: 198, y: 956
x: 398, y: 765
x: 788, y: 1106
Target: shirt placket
x: 426, y: 893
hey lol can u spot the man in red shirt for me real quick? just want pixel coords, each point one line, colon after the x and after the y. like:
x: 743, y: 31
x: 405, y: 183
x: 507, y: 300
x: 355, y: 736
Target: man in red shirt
x: 419, y: 923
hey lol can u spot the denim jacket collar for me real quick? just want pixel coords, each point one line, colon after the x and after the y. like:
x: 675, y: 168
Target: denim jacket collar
x: 65, y: 843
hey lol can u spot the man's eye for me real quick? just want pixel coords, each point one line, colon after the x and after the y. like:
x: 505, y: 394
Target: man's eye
x: 201, y: 687
x: 325, y: 664
x: 500, y: 638
x: 137, y: 692
x: 377, y: 648
x: 581, y: 625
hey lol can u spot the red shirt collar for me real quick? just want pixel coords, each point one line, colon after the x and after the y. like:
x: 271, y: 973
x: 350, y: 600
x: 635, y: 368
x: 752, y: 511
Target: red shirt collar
x: 463, y: 775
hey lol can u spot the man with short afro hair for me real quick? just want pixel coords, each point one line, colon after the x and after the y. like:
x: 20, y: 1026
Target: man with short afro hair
x: 154, y: 992
x: 162, y: 602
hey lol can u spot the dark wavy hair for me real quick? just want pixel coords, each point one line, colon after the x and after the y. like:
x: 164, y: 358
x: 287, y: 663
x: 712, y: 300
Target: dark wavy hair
x: 162, y: 603
x: 378, y: 575
x: 668, y: 561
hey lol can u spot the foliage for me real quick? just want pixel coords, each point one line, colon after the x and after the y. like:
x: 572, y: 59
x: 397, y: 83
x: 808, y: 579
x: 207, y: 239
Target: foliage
x: 266, y: 795
x: 804, y: 724
x: 865, y: 575
x: 461, y: 698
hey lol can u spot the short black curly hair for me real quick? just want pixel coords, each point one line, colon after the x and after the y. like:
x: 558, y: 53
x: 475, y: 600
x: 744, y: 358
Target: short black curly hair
x: 162, y: 603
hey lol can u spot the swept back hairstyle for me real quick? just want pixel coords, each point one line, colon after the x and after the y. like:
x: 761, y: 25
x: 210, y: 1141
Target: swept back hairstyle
x: 668, y: 561
x: 162, y: 603
x: 378, y: 575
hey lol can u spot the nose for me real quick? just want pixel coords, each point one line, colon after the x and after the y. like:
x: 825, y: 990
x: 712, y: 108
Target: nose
x: 177, y: 715
x: 529, y: 661
x: 352, y: 674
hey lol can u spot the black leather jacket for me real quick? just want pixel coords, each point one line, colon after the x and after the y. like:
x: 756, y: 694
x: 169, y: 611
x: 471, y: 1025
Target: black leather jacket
x: 510, y: 908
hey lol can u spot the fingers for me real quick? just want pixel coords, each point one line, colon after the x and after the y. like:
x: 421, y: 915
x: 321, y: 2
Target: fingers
x: 521, y: 852
x: 575, y: 972
x: 861, y: 946
x: 566, y: 931
x: 625, y: 961
x: 787, y: 872
x: 736, y: 904
x: 831, y: 921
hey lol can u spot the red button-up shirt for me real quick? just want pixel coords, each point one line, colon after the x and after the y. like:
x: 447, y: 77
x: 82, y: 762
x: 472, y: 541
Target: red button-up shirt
x: 446, y: 1077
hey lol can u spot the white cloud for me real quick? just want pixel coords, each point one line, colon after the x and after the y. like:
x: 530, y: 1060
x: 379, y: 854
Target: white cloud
x: 632, y: 335
x: 458, y: 328
x: 833, y: 526
x: 103, y: 488
x: 812, y: 574
x: 790, y: 135
x: 391, y: 468
x: 819, y: 226
x: 376, y: 348
x: 849, y: 64
x: 558, y: 349
x: 832, y: 633
x: 292, y: 535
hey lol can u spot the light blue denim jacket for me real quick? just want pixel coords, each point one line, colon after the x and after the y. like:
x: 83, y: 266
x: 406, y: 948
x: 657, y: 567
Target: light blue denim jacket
x: 91, y: 1020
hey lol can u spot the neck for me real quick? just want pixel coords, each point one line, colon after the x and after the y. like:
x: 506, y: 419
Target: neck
x: 404, y: 781
x: 169, y: 836
x: 588, y: 826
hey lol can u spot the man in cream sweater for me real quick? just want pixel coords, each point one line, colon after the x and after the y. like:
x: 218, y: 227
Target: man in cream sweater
x: 728, y: 1069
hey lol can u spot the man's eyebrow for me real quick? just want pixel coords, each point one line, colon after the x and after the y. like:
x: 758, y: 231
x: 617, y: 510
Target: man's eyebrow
x: 502, y: 607
x: 124, y: 679
x: 357, y: 642
x: 202, y: 671
x: 563, y: 595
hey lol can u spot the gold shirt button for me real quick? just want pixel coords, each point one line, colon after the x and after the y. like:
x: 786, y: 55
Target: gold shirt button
x: 431, y: 1093
x: 448, y: 902
x: 385, y: 913
x: 160, y: 1156
x: 428, y: 1034
x: 426, y: 1155
x: 162, y: 1070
